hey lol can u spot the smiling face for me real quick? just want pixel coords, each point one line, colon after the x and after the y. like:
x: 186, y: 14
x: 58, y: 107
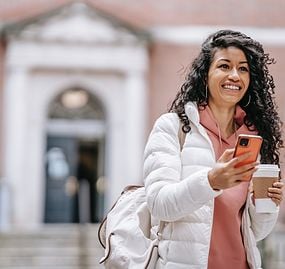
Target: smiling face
x: 228, y: 77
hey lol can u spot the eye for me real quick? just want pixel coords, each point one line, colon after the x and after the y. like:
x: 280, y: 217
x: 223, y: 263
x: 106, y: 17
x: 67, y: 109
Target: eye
x: 224, y: 66
x: 243, y: 69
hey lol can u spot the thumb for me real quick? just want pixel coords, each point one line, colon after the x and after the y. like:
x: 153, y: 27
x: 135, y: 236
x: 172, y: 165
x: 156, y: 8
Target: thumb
x: 227, y: 155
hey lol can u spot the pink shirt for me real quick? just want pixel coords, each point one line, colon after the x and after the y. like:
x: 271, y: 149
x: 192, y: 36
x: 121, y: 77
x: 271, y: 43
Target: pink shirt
x: 226, y: 246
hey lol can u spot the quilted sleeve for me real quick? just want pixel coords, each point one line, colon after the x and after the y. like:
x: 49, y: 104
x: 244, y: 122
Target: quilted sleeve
x: 169, y: 198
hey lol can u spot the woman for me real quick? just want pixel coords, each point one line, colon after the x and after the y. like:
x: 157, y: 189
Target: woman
x: 209, y: 210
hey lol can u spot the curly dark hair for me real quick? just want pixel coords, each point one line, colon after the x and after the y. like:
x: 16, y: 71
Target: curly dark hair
x: 261, y: 113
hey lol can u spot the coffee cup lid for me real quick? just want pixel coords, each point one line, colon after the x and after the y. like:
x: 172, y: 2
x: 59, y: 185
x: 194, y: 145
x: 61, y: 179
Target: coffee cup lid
x: 270, y: 167
x: 267, y: 170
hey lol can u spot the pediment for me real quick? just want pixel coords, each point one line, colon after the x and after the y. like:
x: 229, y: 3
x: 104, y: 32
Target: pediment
x: 75, y: 23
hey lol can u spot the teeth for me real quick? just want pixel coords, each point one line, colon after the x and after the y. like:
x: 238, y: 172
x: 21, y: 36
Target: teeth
x: 231, y: 87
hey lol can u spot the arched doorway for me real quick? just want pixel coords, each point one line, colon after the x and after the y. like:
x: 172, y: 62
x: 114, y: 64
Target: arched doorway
x: 74, y: 158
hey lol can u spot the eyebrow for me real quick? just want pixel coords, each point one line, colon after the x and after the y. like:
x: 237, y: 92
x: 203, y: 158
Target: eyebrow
x: 227, y: 60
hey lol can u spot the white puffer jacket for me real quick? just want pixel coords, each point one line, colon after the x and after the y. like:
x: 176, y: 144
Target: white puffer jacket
x: 181, y: 195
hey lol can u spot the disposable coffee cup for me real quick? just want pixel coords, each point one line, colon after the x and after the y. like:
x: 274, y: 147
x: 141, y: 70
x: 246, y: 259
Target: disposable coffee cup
x: 263, y: 179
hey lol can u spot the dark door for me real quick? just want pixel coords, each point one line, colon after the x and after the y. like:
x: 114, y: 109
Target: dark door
x: 72, y: 170
x: 61, y: 182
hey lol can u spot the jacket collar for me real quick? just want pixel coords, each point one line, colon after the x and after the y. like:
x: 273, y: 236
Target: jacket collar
x: 191, y: 110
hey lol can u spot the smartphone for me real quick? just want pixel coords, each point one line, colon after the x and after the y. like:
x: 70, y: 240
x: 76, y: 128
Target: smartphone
x: 248, y: 143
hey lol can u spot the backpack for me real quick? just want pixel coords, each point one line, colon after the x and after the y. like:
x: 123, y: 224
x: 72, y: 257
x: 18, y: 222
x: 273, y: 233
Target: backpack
x: 126, y: 233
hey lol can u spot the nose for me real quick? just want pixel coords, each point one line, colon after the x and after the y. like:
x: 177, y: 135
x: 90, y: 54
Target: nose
x: 233, y: 75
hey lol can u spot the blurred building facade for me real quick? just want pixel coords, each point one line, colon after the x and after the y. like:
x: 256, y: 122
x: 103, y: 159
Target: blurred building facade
x: 83, y: 82
x: 74, y: 101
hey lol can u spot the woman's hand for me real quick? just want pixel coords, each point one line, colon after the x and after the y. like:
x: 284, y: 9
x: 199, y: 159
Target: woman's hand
x: 225, y: 175
x: 276, y: 192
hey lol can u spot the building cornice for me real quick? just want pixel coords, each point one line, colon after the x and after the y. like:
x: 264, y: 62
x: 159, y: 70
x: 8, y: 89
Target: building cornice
x: 185, y: 35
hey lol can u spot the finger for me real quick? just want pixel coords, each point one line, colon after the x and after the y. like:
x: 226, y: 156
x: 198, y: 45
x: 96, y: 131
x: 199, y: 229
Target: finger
x: 247, y: 167
x: 229, y: 151
x: 276, y: 196
x: 240, y: 158
x: 245, y: 176
x: 274, y: 190
x: 235, y: 182
x: 227, y: 155
x: 278, y: 184
x: 277, y: 199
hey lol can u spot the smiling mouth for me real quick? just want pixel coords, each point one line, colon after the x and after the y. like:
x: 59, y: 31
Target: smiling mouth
x: 231, y: 87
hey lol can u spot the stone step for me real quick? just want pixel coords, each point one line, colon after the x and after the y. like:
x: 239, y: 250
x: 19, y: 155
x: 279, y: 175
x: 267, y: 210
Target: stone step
x: 55, y: 251
x: 6, y: 242
x: 55, y: 266
x: 51, y: 247
x: 51, y: 235
x: 48, y: 261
